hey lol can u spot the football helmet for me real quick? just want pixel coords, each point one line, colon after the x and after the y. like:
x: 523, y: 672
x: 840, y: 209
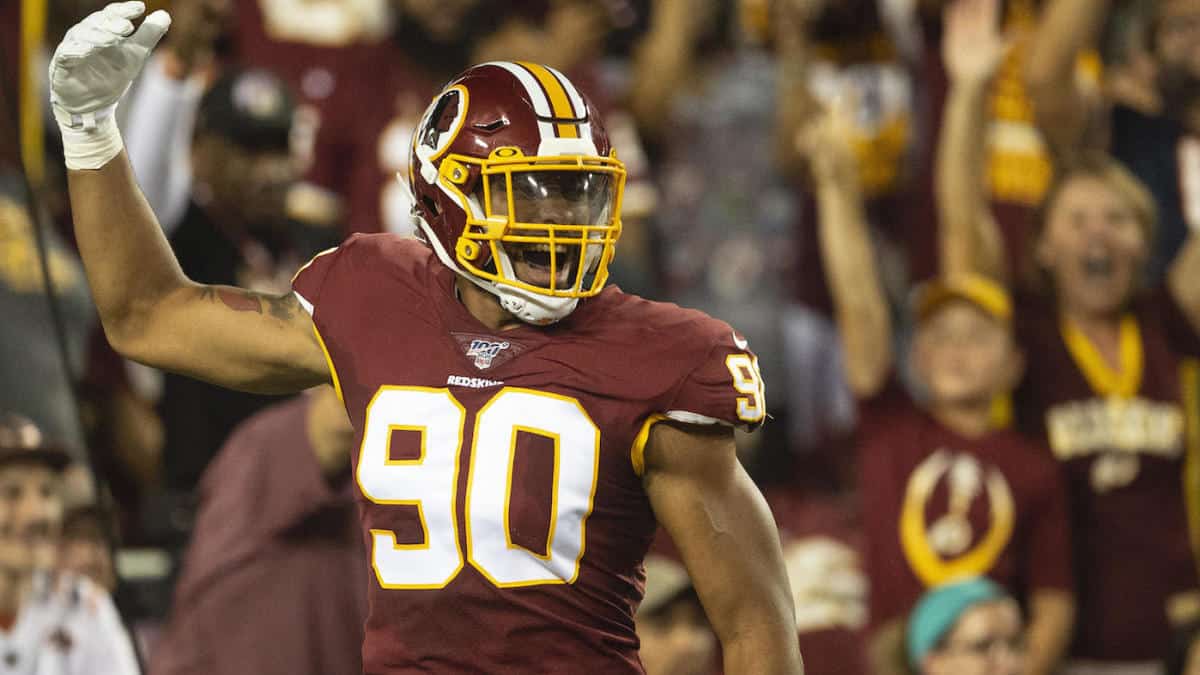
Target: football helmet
x: 516, y: 187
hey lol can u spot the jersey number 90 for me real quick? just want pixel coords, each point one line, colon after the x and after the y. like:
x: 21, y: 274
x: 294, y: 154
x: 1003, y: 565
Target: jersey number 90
x: 430, y: 483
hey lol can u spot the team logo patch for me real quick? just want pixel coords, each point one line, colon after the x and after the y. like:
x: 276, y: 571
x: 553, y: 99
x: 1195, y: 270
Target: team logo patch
x: 486, y: 351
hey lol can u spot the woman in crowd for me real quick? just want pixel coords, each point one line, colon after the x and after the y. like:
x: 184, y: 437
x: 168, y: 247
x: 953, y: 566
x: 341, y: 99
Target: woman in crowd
x: 1107, y: 385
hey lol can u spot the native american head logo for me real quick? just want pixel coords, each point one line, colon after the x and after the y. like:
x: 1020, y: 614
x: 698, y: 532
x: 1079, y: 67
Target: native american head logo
x: 441, y: 120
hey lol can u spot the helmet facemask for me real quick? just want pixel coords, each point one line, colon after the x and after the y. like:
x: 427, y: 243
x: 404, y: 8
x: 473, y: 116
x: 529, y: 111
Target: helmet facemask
x: 542, y: 229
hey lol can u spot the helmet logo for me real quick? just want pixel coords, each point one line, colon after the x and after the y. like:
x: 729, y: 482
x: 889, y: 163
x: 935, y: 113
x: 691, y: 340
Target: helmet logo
x: 442, y: 119
x: 442, y: 122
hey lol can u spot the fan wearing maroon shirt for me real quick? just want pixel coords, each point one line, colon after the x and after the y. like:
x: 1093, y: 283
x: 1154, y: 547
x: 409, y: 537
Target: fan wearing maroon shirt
x: 945, y: 494
x: 522, y: 429
x: 1106, y: 386
x: 275, y: 516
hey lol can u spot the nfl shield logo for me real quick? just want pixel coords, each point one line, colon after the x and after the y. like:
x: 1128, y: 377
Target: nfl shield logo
x: 485, y: 351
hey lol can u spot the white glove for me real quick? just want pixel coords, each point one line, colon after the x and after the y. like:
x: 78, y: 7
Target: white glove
x: 91, y: 70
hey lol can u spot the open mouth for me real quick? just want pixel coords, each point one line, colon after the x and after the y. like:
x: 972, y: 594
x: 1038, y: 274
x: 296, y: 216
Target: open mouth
x: 532, y: 264
x: 1098, y: 266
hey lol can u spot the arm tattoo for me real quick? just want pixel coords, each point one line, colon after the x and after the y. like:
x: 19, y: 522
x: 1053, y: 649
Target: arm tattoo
x: 282, y: 307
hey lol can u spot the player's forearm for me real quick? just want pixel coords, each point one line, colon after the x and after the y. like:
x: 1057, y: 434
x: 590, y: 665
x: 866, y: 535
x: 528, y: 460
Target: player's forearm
x: 967, y: 234
x: 130, y: 265
x: 860, y: 306
x: 1051, y: 618
x: 765, y: 649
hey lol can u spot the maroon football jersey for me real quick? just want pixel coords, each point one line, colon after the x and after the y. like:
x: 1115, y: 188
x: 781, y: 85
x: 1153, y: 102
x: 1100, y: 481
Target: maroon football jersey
x: 501, y: 497
x: 1122, y: 441
x: 938, y: 506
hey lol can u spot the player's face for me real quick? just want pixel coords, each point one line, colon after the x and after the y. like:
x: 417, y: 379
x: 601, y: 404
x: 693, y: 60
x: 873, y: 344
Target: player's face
x: 30, y: 517
x: 553, y: 198
x: 677, y: 641
x: 985, y: 641
x: 1093, y: 247
x: 964, y: 355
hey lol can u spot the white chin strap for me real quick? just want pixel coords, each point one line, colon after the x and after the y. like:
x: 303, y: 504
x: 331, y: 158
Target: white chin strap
x: 530, y: 307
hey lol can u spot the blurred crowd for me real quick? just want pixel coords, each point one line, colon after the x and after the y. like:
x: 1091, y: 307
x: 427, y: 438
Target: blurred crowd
x: 960, y: 234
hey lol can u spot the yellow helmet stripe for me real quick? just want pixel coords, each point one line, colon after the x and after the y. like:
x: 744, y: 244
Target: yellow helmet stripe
x: 560, y: 102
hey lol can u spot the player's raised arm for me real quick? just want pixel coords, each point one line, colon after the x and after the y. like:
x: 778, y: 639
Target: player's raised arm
x: 151, y: 312
x: 702, y: 496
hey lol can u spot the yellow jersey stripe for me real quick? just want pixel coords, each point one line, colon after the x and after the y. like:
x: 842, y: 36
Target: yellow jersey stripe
x: 637, y: 454
x: 337, y: 383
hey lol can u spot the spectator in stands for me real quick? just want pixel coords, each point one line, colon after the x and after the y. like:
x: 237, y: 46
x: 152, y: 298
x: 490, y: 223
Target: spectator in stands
x: 31, y: 362
x: 88, y: 545
x: 272, y: 582
x: 361, y: 71
x: 964, y: 497
x: 51, y: 622
x: 1152, y: 130
x: 1106, y: 387
x: 968, y: 627
x: 676, y: 638
x: 820, y: 529
x: 235, y: 231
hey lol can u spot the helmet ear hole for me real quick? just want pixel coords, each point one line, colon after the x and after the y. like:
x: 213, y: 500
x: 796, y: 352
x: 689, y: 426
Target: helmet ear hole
x: 431, y: 206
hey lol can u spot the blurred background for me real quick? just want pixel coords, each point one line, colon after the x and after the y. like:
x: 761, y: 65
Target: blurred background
x: 763, y: 139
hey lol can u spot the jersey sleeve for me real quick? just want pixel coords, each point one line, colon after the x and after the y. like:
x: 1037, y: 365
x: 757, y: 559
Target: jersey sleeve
x: 726, y: 387
x: 312, y: 280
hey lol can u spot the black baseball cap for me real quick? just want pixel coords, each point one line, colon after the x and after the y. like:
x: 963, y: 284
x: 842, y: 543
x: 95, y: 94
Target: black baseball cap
x: 251, y: 107
x: 22, y: 441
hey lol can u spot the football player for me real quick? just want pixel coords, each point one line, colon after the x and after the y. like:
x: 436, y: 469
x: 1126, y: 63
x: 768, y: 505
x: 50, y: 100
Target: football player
x: 522, y: 429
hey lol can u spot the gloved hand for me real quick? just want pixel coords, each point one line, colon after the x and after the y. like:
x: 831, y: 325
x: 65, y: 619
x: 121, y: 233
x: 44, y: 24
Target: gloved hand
x: 91, y: 70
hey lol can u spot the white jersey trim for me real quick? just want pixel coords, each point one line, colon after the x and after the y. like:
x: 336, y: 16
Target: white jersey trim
x: 694, y: 418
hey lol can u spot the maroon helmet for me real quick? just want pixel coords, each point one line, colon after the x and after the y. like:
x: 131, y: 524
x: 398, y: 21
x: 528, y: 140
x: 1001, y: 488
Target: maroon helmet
x: 517, y: 188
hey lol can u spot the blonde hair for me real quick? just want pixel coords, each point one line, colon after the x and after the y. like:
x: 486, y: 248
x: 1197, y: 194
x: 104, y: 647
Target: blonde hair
x: 1103, y: 168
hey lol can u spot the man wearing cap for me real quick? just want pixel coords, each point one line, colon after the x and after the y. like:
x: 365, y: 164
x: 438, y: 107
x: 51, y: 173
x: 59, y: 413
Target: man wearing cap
x: 970, y: 627
x: 234, y: 232
x: 946, y: 492
x: 50, y: 623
